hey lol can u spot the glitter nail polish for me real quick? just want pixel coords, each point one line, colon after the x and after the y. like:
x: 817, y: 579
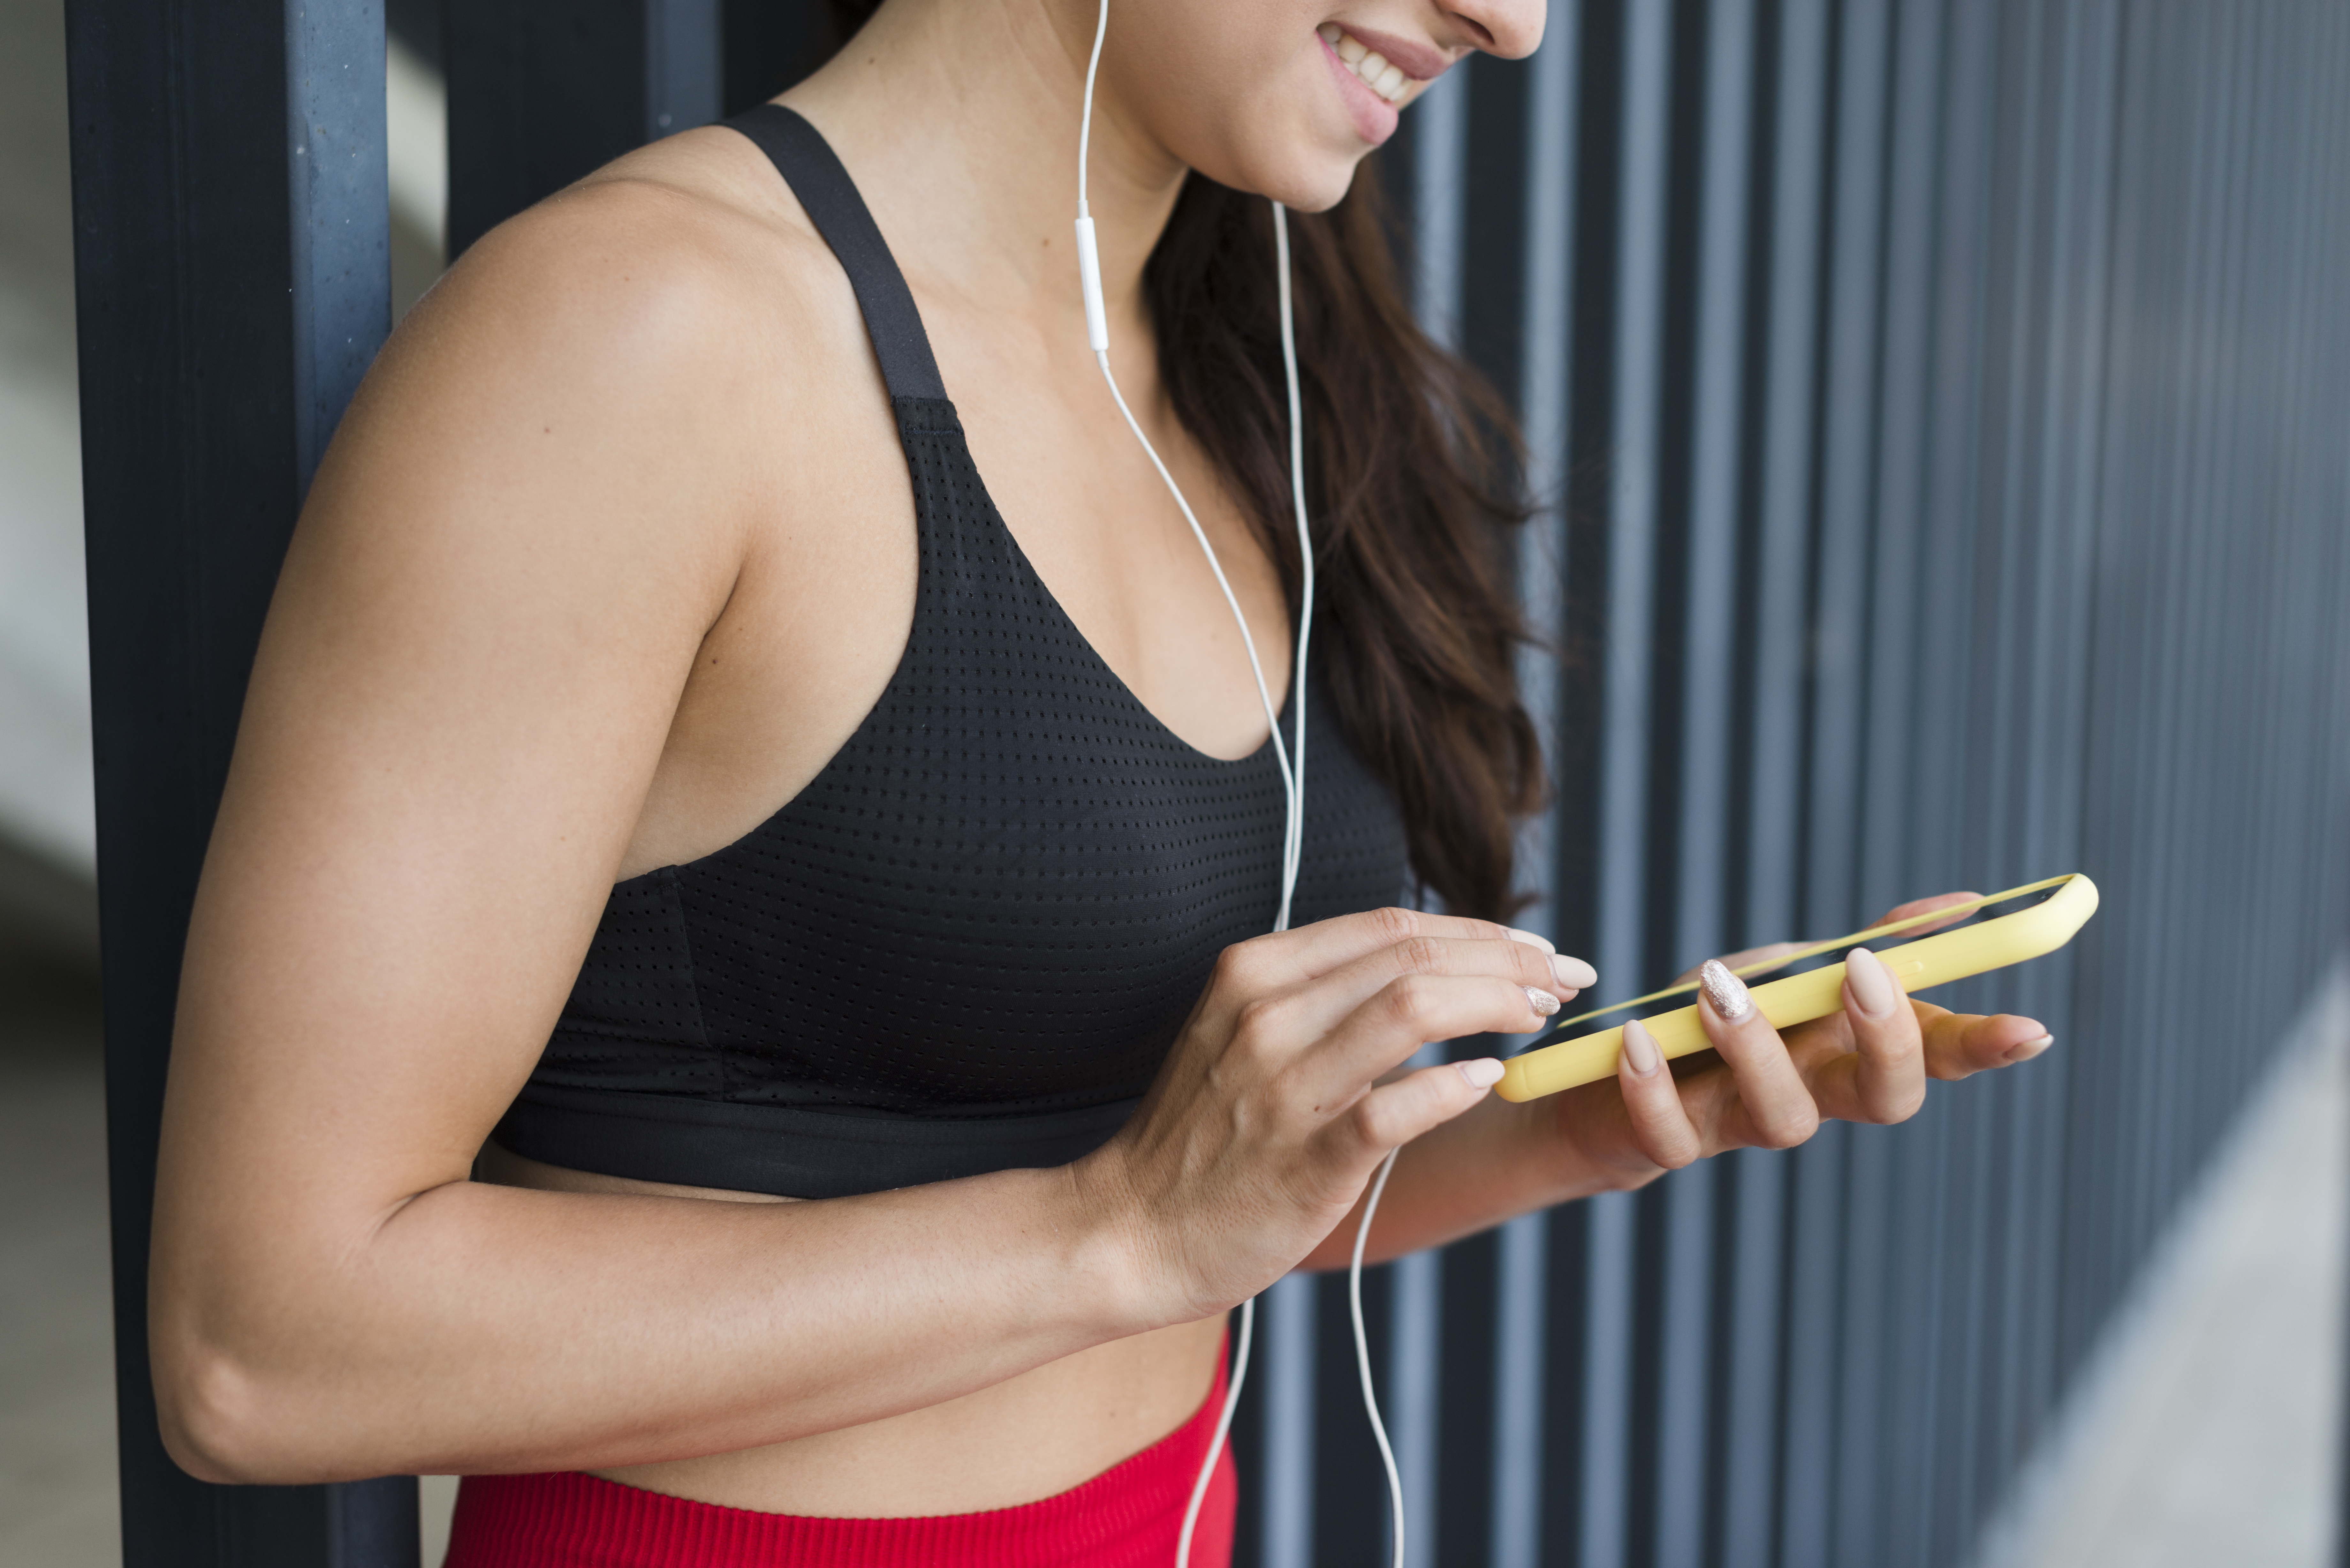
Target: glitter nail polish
x: 1725, y: 990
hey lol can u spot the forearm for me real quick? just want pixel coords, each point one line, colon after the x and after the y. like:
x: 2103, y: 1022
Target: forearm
x: 484, y: 1328
x: 1496, y: 1162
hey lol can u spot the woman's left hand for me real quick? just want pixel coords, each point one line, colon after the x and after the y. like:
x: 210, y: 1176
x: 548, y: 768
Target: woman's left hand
x: 1758, y: 1088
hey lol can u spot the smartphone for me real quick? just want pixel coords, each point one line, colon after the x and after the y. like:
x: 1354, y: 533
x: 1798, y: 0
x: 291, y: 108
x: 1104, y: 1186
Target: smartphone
x: 1994, y: 932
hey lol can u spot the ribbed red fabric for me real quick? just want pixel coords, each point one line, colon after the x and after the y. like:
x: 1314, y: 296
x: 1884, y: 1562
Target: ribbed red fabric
x: 1126, y: 1516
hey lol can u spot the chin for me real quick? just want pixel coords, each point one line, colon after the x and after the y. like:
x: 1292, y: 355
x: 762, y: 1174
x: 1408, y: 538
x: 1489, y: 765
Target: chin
x: 1301, y: 176
x: 1318, y: 191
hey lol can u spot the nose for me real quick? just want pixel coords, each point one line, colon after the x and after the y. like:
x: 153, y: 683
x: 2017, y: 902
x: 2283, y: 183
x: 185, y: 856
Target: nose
x: 1510, y: 28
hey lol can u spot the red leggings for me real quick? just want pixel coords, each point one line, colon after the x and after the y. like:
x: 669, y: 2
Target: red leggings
x: 1126, y: 1516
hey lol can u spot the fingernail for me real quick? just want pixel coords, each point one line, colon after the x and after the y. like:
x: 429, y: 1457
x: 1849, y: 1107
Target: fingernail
x: 2031, y: 1048
x: 1541, y: 1001
x: 1573, y: 972
x: 1482, y: 1073
x: 1531, y: 938
x: 1640, y: 1051
x: 1872, y: 987
x: 1725, y: 990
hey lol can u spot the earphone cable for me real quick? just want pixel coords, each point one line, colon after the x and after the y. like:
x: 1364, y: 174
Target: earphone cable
x: 1086, y: 116
x: 1363, y: 1351
x: 1295, y: 851
x: 1290, y: 763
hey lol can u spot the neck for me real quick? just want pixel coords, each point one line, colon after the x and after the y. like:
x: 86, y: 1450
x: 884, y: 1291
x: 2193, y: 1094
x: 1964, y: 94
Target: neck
x: 963, y: 115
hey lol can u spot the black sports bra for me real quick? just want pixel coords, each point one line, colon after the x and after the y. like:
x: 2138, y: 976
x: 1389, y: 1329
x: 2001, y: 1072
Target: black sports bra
x: 968, y: 943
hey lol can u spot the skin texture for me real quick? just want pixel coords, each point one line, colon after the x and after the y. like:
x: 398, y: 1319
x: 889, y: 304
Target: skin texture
x: 613, y: 551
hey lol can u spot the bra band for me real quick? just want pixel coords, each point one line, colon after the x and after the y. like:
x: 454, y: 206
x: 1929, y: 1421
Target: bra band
x: 788, y: 1150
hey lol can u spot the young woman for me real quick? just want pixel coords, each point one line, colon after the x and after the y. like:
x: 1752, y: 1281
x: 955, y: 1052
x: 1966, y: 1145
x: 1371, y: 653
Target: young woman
x: 730, y: 1000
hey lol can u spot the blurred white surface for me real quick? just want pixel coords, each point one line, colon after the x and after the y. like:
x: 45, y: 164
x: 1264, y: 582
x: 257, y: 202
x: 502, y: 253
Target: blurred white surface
x: 45, y: 768
x: 58, y: 1504
x: 416, y: 111
x: 2206, y: 1432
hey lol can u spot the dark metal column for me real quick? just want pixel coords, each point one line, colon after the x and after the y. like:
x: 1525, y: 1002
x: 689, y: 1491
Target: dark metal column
x: 231, y: 217
x: 229, y: 212
x: 542, y: 92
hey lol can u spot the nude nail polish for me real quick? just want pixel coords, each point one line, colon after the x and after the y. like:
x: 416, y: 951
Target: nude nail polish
x: 1872, y: 987
x: 1573, y: 972
x: 1541, y: 1001
x: 1640, y: 1051
x: 1725, y: 990
x: 2030, y: 1048
x: 1482, y: 1073
x: 1531, y: 938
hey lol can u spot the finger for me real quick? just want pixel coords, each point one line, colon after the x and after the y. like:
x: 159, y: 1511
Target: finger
x: 1751, y: 958
x: 1771, y: 1095
x: 1310, y: 1010
x: 1289, y: 958
x: 1927, y: 906
x: 1395, y: 1022
x: 1394, y: 1114
x: 1961, y: 1045
x: 1652, y: 1102
x: 1883, y: 1078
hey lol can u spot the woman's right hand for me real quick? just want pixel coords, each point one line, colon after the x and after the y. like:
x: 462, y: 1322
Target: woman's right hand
x: 1271, y: 1113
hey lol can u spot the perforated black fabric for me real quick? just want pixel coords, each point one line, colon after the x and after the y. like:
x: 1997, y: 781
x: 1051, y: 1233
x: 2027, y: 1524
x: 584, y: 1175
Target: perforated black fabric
x: 999, y: 899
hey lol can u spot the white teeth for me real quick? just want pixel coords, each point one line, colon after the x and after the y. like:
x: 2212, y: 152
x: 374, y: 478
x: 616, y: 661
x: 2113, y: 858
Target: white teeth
x: 1382, y: 77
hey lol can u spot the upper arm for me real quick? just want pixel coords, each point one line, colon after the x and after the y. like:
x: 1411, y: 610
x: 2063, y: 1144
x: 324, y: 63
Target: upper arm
x: 490, y: 607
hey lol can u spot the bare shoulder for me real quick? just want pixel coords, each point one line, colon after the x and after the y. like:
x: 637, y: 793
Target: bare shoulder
x: 631, y: 374
x: 656, y: 297
x: 678, y: 246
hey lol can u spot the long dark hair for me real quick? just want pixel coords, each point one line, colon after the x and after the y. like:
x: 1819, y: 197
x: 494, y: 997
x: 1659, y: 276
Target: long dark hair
x: 1409, y: 459
x: 1410, y: 474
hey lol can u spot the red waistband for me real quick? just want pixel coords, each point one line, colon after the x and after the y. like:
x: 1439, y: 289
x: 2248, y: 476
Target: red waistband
x: 1126, y: 1516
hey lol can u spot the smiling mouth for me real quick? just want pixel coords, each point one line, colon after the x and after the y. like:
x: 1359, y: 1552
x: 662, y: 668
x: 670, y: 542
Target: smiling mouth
x: 1381, y: 77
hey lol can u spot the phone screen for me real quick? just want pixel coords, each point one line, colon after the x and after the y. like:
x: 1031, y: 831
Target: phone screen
x: 1811, y: 956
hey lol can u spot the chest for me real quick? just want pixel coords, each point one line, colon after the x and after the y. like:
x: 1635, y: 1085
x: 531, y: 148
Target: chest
x: 999, y: 897
x: 821, y: 613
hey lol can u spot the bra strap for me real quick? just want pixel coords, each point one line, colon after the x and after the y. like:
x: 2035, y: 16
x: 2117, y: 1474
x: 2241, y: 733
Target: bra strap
x: 829, y: 197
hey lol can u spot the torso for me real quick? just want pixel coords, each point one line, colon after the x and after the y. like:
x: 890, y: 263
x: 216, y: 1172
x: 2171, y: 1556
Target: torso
x: 807, y: 640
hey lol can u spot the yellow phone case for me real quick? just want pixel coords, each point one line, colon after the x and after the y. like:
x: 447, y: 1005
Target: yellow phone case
x: 1799, y: 998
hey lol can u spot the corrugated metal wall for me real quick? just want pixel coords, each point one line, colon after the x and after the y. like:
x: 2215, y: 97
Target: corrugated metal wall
x: 1944, y: 410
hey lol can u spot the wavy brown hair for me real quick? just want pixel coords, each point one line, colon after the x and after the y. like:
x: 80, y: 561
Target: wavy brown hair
x: 1411, y: 465
x: 1409, y: 459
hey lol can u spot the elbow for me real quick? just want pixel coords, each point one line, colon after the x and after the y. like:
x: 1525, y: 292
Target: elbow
x: 227, y: 1420
x: 221, y: 1423
x: 208, y: 1407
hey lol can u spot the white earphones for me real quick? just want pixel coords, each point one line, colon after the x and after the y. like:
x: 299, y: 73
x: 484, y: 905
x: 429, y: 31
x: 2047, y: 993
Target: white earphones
x: 1291, y: 760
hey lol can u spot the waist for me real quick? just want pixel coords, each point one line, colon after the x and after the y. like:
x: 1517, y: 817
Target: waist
x: 1130, y: 1514
x: 787, y: 1151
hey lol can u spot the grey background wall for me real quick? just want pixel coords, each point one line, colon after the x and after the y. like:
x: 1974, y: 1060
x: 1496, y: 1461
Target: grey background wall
x: 1939, y: 411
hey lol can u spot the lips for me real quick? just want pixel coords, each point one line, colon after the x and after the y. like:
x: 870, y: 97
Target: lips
x: 1376, y: 74
x: 1373, y: 69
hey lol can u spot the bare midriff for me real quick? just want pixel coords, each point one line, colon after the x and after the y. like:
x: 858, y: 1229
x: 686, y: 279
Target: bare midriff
x: 1021, y: 1440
